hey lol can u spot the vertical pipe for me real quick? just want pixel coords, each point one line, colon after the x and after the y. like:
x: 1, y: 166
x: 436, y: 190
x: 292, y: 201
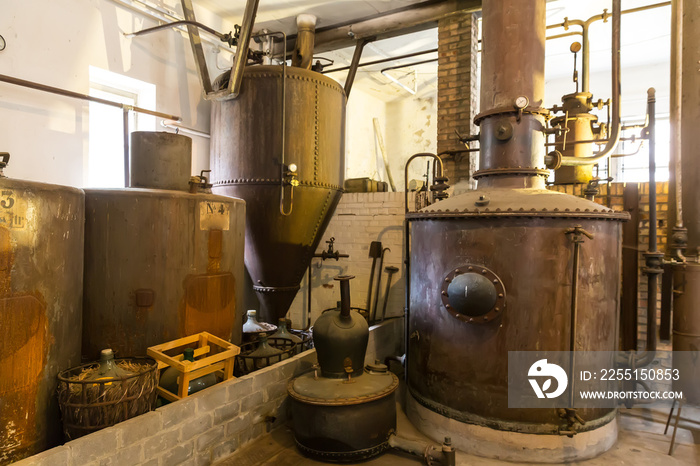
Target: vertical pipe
x: 125, y: 120
x: 345, y: 295
x: 652, y: 267
x: 675, y: 112
x: 585, y: 60
x: 353, y: 65
x: 304, y: 45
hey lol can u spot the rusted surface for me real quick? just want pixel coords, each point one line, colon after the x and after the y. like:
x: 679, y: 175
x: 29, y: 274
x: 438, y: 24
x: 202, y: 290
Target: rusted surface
x: 686, y: 330
x: 210, y: 305
x: 463, y: 367
x: 516, y: 229
x: 187, y: 249
x: 246, y: 153
x: 41, y: 255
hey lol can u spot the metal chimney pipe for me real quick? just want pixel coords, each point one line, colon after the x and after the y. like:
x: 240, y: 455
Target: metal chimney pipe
x: 512, y: 94
x: 304, y: 46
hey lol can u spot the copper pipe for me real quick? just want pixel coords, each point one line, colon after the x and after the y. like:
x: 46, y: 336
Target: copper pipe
x: 77, y: 95
x: 614, y: 138
x: 304, y: 44
x: 223, y: 37
x: 383, y: 60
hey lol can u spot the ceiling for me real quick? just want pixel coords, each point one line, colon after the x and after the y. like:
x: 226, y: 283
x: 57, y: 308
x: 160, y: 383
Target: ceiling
x: 645, y: 38
x: 279, y: 15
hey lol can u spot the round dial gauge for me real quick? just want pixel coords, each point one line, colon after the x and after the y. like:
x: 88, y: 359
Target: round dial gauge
x: 521, y: 102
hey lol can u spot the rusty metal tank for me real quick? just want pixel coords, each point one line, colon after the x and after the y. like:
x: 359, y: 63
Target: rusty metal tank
x: 495, y: 270
x: 686, y: 330
x: 41, y: 270
x: 160, y: 264
x: 280, y: 146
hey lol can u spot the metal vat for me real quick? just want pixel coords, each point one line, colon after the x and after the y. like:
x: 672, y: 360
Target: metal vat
x: 160, y: 265
x: 510, y: 266
x: 41, y: 270
x: 459, y: 367
x: 686, y: 330
x: 253, y: 147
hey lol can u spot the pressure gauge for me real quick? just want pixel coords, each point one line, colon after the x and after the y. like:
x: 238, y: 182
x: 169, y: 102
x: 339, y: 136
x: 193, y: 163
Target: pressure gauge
x: 521, y: 102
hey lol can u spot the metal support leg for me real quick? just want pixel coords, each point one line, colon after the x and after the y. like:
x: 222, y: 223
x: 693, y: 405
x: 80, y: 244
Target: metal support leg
x: 675, y: 428
x: 670, y: 415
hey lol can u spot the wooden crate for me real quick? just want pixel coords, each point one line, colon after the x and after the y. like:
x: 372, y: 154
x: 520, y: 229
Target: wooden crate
x: 203, y: 344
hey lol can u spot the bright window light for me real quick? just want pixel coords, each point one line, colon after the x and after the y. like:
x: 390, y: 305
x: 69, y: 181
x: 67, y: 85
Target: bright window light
x: 106, y: 141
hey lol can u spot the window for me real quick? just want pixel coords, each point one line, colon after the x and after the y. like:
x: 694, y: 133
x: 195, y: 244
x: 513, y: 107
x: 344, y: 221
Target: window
x: 106, y: 141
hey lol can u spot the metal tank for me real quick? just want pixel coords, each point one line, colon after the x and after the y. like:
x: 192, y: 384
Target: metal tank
x: 41, y: 270
x: 280, y: 146
x: 510, y: 266
x: 160, y: 264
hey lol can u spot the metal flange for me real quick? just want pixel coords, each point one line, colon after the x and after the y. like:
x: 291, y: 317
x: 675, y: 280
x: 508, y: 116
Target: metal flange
x: 497, y: 309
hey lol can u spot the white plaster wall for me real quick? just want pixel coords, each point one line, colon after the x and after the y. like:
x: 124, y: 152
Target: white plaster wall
x: 411, y: 128
x: 54, y: 43
x: 362, y: 155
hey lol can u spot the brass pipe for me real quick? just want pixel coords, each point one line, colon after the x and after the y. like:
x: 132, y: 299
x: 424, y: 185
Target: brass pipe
x: 304, y: 44
x: 614, y: 138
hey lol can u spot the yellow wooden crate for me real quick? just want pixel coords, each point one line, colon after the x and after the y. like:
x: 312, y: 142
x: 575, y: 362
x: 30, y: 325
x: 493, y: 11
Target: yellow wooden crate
x: 203, y: 344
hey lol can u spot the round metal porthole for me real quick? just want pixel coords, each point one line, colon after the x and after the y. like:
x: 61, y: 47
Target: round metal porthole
x: 473, y: 294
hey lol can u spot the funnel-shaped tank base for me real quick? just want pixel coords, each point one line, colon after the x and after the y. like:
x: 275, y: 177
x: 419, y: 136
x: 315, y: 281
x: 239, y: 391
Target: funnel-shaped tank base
x: 513, y: 446
x: 275, y: 301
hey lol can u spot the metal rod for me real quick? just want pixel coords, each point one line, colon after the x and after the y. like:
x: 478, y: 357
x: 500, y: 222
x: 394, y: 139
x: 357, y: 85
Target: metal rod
x: 398, y: 67
x: 197, y: 49
x: 383, y: 60
x: 170, y: 124
x: 241, y: 57
x: 76, y: 95
x: 308, y: 304
x: 360, y: 45
x: 616, y: 97
x: 405, y: 172
x: 574, y: 312
x: 125, y: 122
x: 652, y: 268
x: 174, y: 24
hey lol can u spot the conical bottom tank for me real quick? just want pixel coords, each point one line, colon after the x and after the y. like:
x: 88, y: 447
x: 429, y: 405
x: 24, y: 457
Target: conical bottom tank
x: 285, y: 220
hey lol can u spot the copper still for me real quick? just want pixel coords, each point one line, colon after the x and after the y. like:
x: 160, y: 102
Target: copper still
x: 41, y: 270
x: 161, y: 262
x: 279, y: 145
x: 510, y: 266
x: 348, y: 412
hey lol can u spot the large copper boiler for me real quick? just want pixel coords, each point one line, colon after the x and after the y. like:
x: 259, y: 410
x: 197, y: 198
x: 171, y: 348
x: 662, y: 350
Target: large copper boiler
x: 160, y: 262
x: 280, y: 146
x: 494, y: 270
x: 41, y: 270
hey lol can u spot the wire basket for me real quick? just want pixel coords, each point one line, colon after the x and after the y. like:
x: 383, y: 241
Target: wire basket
x: 307, y: 341
x: 245, y: 364
x: 90, y: 405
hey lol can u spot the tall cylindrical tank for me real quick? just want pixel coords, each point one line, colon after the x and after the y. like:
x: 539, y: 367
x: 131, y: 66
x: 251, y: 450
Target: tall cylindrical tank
x: 509, y: 267
x: 41, y: 275
x: 284, y: 118
x: 160, y: 265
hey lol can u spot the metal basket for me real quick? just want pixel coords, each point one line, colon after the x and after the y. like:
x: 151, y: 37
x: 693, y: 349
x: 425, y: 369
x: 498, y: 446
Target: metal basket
x: 90, y: 405
x: 245, y: 364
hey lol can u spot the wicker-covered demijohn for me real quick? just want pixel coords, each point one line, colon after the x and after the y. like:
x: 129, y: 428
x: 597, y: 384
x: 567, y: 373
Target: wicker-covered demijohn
x: 88, y: 405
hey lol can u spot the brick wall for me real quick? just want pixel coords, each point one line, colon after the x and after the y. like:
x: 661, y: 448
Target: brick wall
x: 359, y: 219
x: 614, y: 200
x: 208, y: 425
x: 457, y: 91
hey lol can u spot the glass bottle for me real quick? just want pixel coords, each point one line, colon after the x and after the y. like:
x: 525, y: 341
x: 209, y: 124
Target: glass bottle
x: 108, y: 369
x: 169, y: 379
x: 252, y: 325
x: 264, y: 355
x: 283, y: 332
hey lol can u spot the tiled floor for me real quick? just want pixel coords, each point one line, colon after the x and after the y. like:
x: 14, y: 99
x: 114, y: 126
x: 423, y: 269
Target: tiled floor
x: 641, y: 442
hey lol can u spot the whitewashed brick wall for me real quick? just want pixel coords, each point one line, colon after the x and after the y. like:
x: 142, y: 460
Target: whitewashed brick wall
x: 359, y: 219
